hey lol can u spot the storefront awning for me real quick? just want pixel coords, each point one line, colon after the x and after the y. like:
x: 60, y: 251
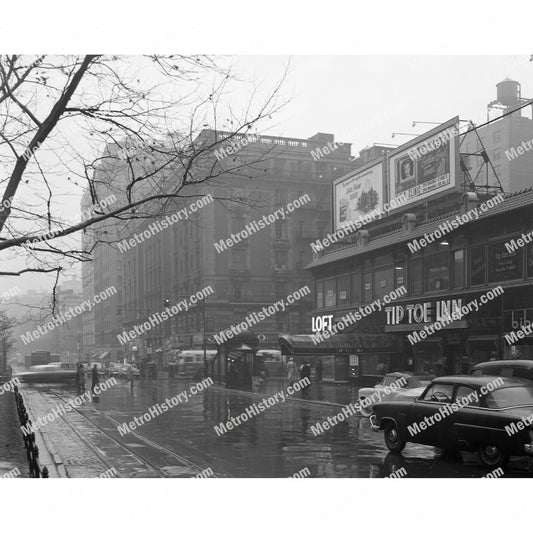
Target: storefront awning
x: 104, y: 355
x: 482, y: 338
x: 349, y: 343
x: 235, y: 355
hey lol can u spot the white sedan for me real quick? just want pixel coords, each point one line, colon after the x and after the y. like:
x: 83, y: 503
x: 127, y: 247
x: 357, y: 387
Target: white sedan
x: 405, y: 387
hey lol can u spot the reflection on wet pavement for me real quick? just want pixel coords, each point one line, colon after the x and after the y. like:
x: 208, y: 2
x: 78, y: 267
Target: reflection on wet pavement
x: 276, y: 443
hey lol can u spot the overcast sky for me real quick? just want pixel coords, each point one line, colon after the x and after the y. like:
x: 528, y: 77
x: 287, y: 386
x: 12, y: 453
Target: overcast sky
x: 363, y: 99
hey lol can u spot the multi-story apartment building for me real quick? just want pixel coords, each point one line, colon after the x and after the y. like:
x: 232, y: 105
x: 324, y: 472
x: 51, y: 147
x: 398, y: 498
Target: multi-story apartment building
x: 258, y: 175
x: 104, y: 271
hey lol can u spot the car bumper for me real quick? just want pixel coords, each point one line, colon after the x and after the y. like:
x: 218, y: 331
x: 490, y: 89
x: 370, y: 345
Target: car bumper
x: 373, y: 423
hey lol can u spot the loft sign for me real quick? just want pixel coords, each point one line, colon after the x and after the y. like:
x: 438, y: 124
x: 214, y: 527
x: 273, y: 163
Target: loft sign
x: 322, y: 323
x: 422, y: 313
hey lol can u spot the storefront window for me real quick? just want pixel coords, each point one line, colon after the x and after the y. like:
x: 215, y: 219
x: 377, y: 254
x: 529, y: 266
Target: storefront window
x: 328, y: 367
x: 415, y: 276
x: 367, y: 287
x: 504, y: 265
x: 383, y: 282
x: 530, y: 260
x: 319, y: 294
x: 356, y: 288
x: 329, y: 293
x: 343, y: 290
x: 377, y: 364
x: 458, y: 269
x: 477, y: 265
x: 437, y: 272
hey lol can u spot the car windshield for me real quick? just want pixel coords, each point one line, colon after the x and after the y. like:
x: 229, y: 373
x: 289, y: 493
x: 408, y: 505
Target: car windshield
x: 510, y: 397
x: 387, y: 380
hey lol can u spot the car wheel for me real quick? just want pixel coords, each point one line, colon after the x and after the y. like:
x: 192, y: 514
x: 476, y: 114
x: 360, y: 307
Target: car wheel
x: 491, y: 455
x: 365, y: 411
x: 392, y: 438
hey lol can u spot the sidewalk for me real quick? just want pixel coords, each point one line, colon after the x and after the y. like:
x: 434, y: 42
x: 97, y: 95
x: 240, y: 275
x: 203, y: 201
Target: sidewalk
x: 12, y: 451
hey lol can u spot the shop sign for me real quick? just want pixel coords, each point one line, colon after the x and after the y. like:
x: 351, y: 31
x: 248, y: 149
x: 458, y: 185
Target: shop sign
x: 422, y: 313
x: 321, y: 323
x: 354, y: 360
x: 517, y: 318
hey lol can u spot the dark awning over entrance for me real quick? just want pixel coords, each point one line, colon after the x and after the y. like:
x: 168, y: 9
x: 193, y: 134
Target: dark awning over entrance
x: 349, y: 343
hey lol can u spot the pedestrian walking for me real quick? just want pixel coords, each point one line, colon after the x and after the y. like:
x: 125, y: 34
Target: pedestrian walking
x: 95, y: 378
x: 233, y: 374
x: 305, y: 372
x: 291, y: 371
x: 129, y: 375
x: 318, y: 371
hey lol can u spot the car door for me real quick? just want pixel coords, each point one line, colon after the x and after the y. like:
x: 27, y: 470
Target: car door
x: 468, y: 421
x: 426, y: 423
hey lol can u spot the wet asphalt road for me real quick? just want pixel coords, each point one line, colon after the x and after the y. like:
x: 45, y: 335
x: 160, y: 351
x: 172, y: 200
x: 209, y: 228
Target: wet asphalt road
x: 276, y: 443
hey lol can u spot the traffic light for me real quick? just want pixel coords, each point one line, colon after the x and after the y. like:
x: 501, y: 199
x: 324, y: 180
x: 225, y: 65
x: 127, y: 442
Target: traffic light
x: 166, y: 302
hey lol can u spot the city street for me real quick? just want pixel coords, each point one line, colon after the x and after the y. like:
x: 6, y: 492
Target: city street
x: 182, y: 442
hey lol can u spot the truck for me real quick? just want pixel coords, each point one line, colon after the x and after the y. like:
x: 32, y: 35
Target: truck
x: 40, y: 357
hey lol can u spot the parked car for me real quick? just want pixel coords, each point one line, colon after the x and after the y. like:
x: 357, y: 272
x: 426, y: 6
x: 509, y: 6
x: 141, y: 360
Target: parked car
x: 479, y: 426
x: 414, y: 386
x: 510, y: 368
x: 50, y: 373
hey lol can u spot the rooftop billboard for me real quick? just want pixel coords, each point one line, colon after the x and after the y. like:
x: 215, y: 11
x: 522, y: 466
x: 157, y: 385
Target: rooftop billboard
x: 426, y: 166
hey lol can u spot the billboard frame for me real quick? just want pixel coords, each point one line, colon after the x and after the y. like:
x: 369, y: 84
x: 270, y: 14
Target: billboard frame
x: 455, y: 157
x: 367, y: 166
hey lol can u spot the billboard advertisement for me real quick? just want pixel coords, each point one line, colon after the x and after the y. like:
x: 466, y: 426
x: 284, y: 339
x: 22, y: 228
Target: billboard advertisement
x: 425, y: 167
x: 357, y: 194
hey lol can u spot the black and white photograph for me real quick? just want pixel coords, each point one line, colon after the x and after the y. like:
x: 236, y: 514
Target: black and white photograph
x: 248, y: 262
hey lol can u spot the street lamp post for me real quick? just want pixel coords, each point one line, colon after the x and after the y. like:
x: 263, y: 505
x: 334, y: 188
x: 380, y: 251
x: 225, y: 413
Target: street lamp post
x: 205, y: 339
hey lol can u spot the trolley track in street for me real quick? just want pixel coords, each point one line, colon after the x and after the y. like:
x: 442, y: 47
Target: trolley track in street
x: 156, y: 469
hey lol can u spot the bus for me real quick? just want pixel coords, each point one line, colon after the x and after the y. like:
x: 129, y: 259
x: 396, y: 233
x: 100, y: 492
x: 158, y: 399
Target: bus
x: 190, y: 363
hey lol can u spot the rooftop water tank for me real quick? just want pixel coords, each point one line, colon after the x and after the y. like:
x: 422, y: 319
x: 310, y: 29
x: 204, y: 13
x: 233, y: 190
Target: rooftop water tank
x: 508, y: 92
